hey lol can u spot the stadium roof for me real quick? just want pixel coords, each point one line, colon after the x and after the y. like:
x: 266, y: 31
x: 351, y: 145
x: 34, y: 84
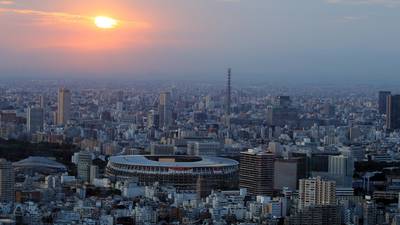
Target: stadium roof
x: 143, y: 160
x: 37, y: 161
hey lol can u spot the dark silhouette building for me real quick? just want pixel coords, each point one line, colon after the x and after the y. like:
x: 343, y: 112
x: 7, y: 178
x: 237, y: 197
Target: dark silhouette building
x: 393, y: 112
x: 382, y: 101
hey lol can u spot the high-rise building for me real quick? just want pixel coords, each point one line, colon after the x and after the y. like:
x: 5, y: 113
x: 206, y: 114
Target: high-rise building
x: 84, y: 162
x: 282, y: 113
x: 7, y: 181
x: 228, y: 94
x: 341, y: 169
x: 316, y: 191
x: 64, y: 106
x: 393, y: 112
x: 34, y: 120
x: 42, y: 101
x: 257, y: 172
x: 165, y: 109
x: 382, y: 101
x: 287, y: 173
x: 283, y: 101
x: 153, y: 119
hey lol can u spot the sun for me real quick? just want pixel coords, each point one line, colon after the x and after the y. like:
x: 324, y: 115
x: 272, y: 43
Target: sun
x: 105, y: 22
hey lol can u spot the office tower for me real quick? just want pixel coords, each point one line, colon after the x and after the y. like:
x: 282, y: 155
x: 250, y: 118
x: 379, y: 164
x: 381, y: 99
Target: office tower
x: 42, y: 102
x: 64, y: 106
x: 393, y: 112
x: 257, y: 172
x: 34, y: 120
x: 341, y: 169
x: 287, y: 172
x: 228, y: 94
x: 211, y: 148
x: 84, y: 162
x: 7, y: 180
x: 153, y: 119
x: 316, y: 191
x: 283, y: 101
x: 282, y: 113
x: 165, y: 110
x: 382, y: 101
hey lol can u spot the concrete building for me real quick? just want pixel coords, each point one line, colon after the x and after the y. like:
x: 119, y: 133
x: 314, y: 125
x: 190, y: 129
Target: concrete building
x: 316, y: 191
x: 382, y: 101
x: 316, y: 215
x: 162, y: 149
x: 257, y: 172
x: 7, y: 181
x: 393, y: 112
x: 341, y: 169
x: 34, y: 120
x: 84, y: 162
x: 64, y: 106
x: 165, y: 109
x: 207, y: 148
x: 287, y: 172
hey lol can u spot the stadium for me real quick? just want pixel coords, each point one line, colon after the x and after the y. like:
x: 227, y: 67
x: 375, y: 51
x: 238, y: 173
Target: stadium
x: 36, y: 164
x: 183, y: 172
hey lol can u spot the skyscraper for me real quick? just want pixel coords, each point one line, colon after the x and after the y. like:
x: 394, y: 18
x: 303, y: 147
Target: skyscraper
x: 282, y: 113
x: 34, y: 120
x: 42, y: 101
x: 228, y: 94
x: 165, y: 109
x: 257, y: 172
x: 341, y: 169
x: 382, y: 101
x: 393, y: 112
x: 64, y: 106
x: 316, y: 191
x: 7, y: 180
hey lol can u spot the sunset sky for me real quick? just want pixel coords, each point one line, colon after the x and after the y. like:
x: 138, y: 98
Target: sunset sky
x: 324, y: 40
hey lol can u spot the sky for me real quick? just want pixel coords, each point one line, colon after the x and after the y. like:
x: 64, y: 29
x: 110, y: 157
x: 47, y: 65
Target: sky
x: 261, y: 40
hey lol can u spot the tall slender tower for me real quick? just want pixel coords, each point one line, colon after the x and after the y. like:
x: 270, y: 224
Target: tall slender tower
x: 228, y: 94
x: 165, y: 109
x: 64, y: 106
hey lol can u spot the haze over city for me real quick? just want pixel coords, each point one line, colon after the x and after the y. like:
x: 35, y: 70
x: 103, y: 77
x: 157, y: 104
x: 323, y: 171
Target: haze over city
x: 199, y: 112
x: 323, y: 41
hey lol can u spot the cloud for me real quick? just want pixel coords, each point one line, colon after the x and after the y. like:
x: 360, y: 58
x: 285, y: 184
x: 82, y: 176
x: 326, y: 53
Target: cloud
x: 387, y: 3
x: 6, y: 2
x: 65, y: 17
